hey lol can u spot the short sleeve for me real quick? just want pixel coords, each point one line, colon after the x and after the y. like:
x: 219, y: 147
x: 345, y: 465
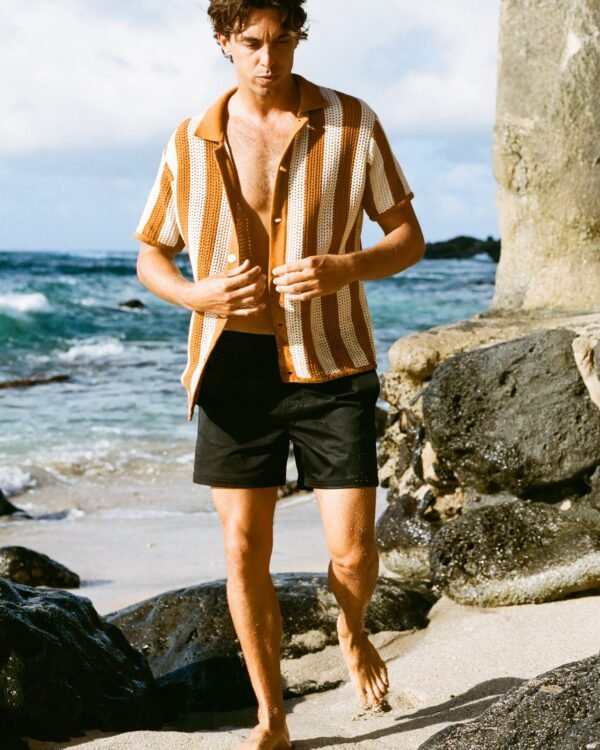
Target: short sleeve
x: 386, y: 185
x: 158, y: 223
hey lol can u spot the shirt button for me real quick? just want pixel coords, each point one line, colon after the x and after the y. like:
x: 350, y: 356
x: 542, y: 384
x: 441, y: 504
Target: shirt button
x: 282, y: 169
x: 231, y: 257
x: 277, y: 220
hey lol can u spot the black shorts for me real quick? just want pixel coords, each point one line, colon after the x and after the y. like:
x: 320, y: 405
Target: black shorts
x: 248, y: 416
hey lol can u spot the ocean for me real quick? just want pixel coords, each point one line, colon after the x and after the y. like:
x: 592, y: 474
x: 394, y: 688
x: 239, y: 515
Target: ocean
x: 120, y: 412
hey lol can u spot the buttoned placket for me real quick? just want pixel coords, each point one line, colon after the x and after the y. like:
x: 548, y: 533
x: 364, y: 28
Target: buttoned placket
x: 277, y: 242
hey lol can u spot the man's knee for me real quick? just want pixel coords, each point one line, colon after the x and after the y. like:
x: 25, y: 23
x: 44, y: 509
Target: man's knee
x: 247, y: 551
x: 357, y: 560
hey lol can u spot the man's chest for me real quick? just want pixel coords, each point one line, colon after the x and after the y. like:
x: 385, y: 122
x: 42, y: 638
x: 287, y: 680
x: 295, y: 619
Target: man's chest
x: 256, y: 154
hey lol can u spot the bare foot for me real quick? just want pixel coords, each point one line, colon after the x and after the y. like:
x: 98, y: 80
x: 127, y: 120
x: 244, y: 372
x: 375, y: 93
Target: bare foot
x: 367, y: 670
x: 267, y: 739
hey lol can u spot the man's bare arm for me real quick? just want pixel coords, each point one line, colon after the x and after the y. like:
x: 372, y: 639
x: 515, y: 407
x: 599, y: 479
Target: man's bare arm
x: 235, y: 292
x: 402, y: 246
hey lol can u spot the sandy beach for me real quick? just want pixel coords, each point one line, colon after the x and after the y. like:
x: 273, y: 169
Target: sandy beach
x: 449, y: 672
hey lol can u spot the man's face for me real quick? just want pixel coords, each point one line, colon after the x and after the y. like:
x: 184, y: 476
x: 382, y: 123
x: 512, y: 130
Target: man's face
x: 263, y: 52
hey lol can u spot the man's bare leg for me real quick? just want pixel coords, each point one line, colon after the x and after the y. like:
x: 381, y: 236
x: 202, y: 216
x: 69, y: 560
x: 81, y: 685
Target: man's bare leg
x: 349, y: 522
x: 247, y: 519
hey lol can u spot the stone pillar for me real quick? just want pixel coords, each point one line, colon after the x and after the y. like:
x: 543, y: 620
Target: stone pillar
x: 546, y: 155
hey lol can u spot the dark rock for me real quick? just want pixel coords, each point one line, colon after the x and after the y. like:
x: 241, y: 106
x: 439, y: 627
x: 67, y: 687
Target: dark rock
x: 593, y: 496
x: 133, y: 303
x: 462, y: 247
x: 404, y: 533
x: 514, y: 417
x: 558, y: 710
x: 516, y: 553
x: 23, y: 565
x: 28, y: 382
x: 381, y: 417
x: 63, y: 669
x: 8, y: 509
x: 188, y: 637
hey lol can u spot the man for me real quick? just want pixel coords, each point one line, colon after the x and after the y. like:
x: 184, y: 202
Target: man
x: 267, y: 191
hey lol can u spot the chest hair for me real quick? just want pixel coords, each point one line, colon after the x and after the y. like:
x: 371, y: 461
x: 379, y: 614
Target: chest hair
x: 256, y: 153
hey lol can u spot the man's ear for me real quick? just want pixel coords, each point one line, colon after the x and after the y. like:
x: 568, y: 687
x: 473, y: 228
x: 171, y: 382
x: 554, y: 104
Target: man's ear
x: 224, y: 44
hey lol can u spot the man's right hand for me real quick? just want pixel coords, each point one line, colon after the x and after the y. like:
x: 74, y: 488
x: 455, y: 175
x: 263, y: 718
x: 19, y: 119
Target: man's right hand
x: 236, y: 292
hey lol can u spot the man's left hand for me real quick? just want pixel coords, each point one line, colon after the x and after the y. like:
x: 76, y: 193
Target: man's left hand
x: 315, y: 276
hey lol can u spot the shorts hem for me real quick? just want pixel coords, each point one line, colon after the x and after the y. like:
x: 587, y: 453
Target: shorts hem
x: 345, y: 485
x: 258, y: 484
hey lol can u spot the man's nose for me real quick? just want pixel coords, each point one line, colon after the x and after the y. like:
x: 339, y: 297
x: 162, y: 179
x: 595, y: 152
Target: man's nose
x: 265, y: 56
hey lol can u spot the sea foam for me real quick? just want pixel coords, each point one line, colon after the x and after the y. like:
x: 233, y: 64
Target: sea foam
x: 24, y: 302
x: 93, y: 351
x: 14, y: 480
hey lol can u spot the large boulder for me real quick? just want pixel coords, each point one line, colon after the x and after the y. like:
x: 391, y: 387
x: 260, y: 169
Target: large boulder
x: 558, y: 710
x: 515, y: 416
x: 517, y: 552
x: 23, y: 565
x: 404, y: 532
x: 63, y: 669
x: 188, y: 637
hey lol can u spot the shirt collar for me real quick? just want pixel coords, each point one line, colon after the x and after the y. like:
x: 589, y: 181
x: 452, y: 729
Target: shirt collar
x: 211, y: 125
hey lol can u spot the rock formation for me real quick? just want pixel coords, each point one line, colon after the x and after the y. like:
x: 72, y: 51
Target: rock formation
x: 188, y: 637
x: 23, y: 565
x: 64, y: 669
x: 558, y: 710
x: 546, y: 156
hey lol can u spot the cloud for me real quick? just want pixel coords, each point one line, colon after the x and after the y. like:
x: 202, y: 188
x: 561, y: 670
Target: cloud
x: 82, y: 72
x: 73, y: 76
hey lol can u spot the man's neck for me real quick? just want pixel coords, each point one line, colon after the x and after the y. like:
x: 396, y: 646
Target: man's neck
x: 246, y: 103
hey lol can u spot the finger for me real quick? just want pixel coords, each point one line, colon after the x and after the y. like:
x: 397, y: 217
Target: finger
x: 295, y: 265
x: 244, y: 279
x: 301, y: 297
x: 247, y: 301
x: 243, y: 268
x: 254, y: 290
x: 298, y: 288
x: 292, y: 278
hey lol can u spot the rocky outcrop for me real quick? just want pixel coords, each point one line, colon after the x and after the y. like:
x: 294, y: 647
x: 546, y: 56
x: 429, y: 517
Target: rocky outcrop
x: 64, y: 669
x: 188, y: 637
x: 558, y: 710
x: 472, y: 426
x: 23, y: 565
x: 8, y: 509
x: 545, y: 155
x: 34, y: 380
x: 516, y: 416
x: 516, y: 553
x: 462, y: 247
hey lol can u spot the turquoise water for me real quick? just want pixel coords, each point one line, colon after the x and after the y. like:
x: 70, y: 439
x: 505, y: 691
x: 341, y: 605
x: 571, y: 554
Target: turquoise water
x: 123, y: 406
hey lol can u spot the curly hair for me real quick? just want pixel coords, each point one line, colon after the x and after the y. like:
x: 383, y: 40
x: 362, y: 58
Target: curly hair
x: 230, y: 16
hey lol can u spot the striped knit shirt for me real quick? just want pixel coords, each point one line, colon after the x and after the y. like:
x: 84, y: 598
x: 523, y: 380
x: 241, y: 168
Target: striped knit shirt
x: 338, y: 165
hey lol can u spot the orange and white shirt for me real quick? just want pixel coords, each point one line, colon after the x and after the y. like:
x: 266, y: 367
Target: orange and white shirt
x: 338, y: 164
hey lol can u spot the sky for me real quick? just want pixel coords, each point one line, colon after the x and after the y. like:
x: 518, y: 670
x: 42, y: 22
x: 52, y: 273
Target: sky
x: 92, y: 89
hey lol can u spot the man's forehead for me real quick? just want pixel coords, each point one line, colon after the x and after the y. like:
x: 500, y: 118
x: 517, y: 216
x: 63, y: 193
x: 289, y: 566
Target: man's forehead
x: 262, y: 22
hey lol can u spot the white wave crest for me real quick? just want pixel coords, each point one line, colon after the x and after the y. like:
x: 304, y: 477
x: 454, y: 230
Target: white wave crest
x: 14, y: 480
x: 25, y: 302
x: 93, y: 351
